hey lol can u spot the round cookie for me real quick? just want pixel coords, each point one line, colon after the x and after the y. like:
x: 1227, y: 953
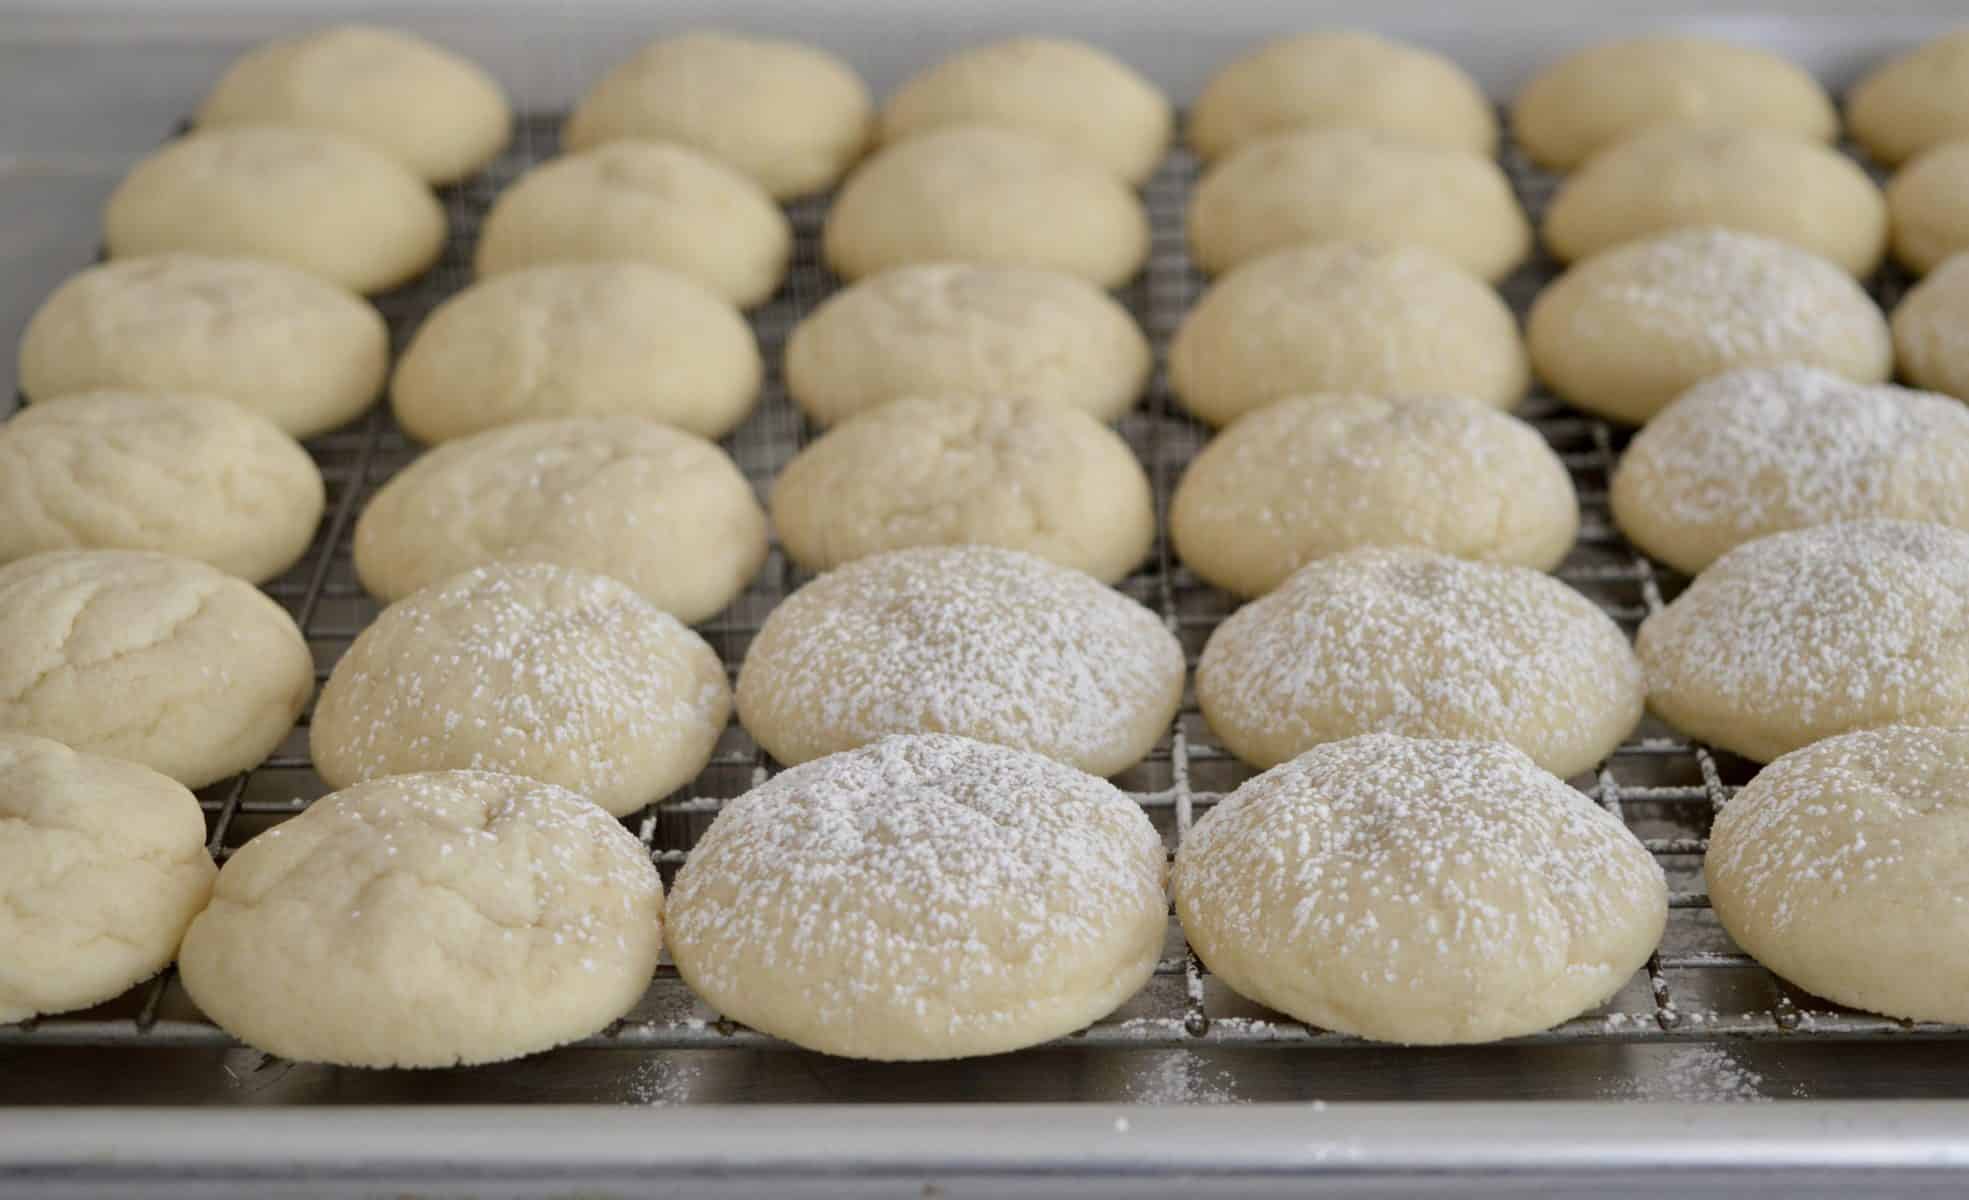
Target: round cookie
x: 791, y: 117
x: 430, y: 920
x: 1417, y: 891
x: 1930, y: 214
x: 560, y: 675
x: 1354, y: 79
x: 665, y: 205
x: 156, y: 660
x: 984, y: 194
x: 979, y: 641
x: 1311, y: 476
x: 1630, y: 329
x: 977, y: 899
x: 1756, y: 181
x: 1604, y: 94
x: 1757, y: 452
x: 324, y: 203
x: 1421, y: 644
x: 1800, y: 636
x: 578, y: 340
x: 664, y: 511
x: 1818, y: 866
x: 1324, y: 185
x: 102, y: 865
x: 1013, y: 471
x: 436, y: 113
x: 303, y: 353
x: 1928, y: 325
x: 943, y: 328
x: 1068, y: 92
x: 1345, y: 317
x: 179, y: 474
x: 1913, y: 102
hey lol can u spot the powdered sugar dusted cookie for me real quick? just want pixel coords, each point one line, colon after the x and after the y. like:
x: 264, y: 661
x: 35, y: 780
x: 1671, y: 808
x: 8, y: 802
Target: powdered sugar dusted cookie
x: 1421, y: 644
x: 1418, y: 891
x: 1760, y: 451
x: 992, y: 644
x: 558, y: 674
x: 977, y: 899
x: 1801, y: 636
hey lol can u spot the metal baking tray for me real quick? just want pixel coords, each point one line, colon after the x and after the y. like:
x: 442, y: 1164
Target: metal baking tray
x: 1697, y: 1038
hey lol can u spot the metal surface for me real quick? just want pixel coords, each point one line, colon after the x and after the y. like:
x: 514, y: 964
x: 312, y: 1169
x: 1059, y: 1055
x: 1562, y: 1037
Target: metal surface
x: 1702, y: 1022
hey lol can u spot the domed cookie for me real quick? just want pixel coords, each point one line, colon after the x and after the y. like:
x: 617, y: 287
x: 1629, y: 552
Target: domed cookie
x: 979, y: 641
x: 431, y: 920
x: 1913, y: 102
x: 1930, y: 213
x: 1311, y: 476
x: 1427, y: 892
x: 978, y: 899
x: 1420, y: 644
x: 1929, y: 325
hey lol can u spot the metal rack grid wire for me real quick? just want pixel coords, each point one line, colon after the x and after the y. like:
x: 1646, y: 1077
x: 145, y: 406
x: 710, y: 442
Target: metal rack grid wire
x: 1697, y: 986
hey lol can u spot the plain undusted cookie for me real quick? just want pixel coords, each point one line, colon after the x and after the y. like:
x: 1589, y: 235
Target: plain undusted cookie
x: 1324, y: 185
x: 1930, y: 208
x: 1069, y: 92
x: 180, y: 474
x: 1311, y: 476
x: 324, y: 203
x: 945, y: 328
x: 1603, y: 94
x: 157, y: 660
x: 1427, y: 892
x: 428, y: 921
x: 1931, y: 330
x: 791, y: 117
x: 976, y: 899
x: 1628, y: 330
x: 102, y: 865
x: 1779, y: 185
x: 1345, y: 317
x: 1418, y: 643
x: 1840, y: 868
x: 1913, y: 102
x: 1356, y: 80
x: 303, y: 353
x: 1014, y: 471
x: 984, y: 194
x: 1758, y: 452
x: 556, y: 674
x: 431, y: 110
x: 1800, y: 636
x: 664, y: 511
x: 988, y: 643
x: 578, y: 340
x: 642, y: 202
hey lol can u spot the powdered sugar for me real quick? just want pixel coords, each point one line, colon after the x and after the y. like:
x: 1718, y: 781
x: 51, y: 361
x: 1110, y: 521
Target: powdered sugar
x: 921, y: 897
x: 990, y: 643
x: 1802, y: 635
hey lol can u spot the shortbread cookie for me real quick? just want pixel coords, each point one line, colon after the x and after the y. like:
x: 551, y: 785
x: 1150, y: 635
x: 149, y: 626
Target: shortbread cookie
x: 977, y: 900
x: 1929, y: 330
x: 1930, y: 208
x: 319, y: 201
x: 158, y: 660
x: 429, y: 920
x: 1013, y: 471
x: 665, y: 512
x: 1427, y: 892
x: 1421, y: 644
x: 988, y: 643
x: 102, y: 865
x: 179, y: 474
x: 1911, y: 103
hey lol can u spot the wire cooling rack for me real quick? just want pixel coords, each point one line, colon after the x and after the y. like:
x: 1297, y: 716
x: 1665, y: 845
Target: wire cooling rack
x: 1696, y: 987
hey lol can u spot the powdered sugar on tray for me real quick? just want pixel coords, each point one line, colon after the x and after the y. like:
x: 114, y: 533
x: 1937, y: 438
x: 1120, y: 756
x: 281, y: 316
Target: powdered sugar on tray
x: 1696, y: 1073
